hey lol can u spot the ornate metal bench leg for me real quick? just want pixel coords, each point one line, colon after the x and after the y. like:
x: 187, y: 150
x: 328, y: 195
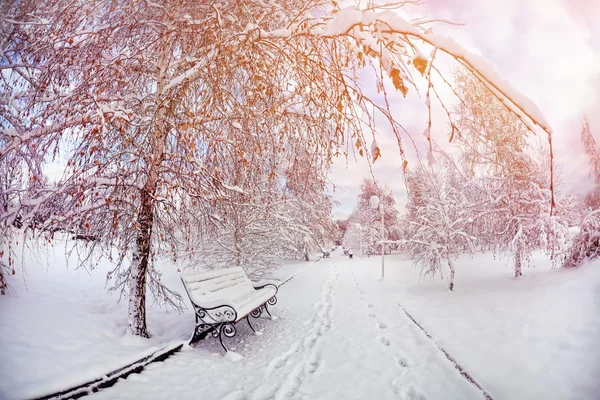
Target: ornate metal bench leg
x: 256, y: 313
x: 267, y: 310
x: 227, y: 329
x: 221, y: 337
x: 272, y: 301
x: 250, y: 325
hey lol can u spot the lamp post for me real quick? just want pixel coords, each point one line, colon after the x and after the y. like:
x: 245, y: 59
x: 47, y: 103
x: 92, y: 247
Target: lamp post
x: 374, y: 202
x: 360, y: 238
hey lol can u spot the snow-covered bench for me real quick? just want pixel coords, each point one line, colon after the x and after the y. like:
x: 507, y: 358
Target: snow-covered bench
x: 224, y: 297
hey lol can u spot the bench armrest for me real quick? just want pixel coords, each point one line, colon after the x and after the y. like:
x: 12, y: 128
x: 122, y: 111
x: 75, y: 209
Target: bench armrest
x: 216, y: 311
x: 264, y: 282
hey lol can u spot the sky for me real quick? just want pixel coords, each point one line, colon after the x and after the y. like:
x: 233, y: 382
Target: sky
x: 548, y: 49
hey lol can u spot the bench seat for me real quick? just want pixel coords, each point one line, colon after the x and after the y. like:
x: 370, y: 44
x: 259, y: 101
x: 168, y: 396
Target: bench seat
x: 224, y: 297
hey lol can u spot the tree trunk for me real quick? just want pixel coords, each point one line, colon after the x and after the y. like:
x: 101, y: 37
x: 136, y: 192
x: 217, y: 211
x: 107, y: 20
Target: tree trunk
x: 139, y: 267
x: 451, y: 265
x: 518, y: 262
x: 305, y: 255
x: 141, y: 253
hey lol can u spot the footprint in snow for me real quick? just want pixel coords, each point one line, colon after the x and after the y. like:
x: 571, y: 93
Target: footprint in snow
x: 381, y: 325
x: 397, y: 386
x: 401, y: 361
x: 384, y: 341
x: 314, y: 361
x: 313, y: 366
x: 278, y: 363
x: 372, y: 315
x: 310, y: 341
x: 370, y: 305
x: 414, y: 394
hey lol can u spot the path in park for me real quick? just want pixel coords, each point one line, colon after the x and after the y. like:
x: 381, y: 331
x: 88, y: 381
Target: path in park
x: 338, y: 335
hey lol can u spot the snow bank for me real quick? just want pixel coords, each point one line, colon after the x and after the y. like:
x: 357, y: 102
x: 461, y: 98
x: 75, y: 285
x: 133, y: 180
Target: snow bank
x: 341, y: 334
x: 535, y: 337
x: 61, y: 328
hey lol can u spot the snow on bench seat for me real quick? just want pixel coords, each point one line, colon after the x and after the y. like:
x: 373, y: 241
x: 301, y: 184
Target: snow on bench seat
x: 222, y: 298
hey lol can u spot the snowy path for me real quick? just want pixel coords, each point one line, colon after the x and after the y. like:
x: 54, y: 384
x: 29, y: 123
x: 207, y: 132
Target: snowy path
x: 337, y: 336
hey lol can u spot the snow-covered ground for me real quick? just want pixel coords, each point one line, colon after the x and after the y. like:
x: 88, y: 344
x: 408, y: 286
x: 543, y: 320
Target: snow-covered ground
x: 341, y: 333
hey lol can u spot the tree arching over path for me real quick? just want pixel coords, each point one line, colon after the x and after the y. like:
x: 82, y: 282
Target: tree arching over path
x: 136, y: 95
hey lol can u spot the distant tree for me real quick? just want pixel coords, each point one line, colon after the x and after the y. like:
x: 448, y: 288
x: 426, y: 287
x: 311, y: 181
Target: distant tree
x: 342, y: 227
x: 591, y: 200
x: 273, y: 206
x: 369, y: 219
x: 585, y: 245
x: 438, y: 219
x: 591, y: 149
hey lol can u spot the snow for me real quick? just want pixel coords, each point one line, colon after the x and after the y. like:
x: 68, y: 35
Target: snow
x: 375, y: 150
x: 234, y: 188
x: 189, y: 74
x: 427, y: 133
x: 61, y: 329
x: 341, y: 333
x: 233, y: 356
x: 535, y: 337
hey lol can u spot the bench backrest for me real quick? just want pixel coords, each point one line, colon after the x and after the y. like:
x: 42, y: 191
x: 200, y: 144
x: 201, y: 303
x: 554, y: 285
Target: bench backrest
x: 224, y: 284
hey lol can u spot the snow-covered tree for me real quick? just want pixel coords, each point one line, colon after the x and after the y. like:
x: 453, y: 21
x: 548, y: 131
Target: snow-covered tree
x: 366, y: 222
x: 438, y: 219
x: 354, y: 237
x: 586, y: 243
x: 255, y: 235
x: 277, y: 206
x: 137, y: 95
x: 591, y: 200
x: 515, y: 217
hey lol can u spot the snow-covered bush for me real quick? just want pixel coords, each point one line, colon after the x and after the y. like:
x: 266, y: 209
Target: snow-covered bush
x: 585, y: 244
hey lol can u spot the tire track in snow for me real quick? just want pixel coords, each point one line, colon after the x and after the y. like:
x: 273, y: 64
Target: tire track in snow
x: 304, y: 355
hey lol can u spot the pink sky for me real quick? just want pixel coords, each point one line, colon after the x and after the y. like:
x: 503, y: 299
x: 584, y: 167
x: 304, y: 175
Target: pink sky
x: 548, y: 49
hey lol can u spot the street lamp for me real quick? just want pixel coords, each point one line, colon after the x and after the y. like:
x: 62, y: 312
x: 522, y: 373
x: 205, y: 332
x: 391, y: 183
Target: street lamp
x: 374, y: 202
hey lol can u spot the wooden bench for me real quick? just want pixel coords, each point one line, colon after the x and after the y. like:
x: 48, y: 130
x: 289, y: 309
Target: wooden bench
x: 224, y: 297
